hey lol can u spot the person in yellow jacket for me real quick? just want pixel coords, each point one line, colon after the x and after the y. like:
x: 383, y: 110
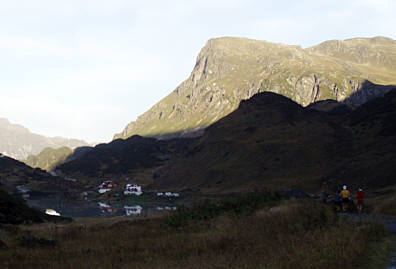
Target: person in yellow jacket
x: 345, y: 198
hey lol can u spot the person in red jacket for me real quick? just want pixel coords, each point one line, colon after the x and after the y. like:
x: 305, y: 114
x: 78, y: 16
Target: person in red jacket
x: 360, y: 195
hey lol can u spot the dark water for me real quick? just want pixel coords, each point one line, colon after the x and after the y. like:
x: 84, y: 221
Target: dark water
x: 79, y: 209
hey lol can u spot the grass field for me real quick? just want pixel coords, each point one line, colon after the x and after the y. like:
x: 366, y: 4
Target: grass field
x: 256, y: 230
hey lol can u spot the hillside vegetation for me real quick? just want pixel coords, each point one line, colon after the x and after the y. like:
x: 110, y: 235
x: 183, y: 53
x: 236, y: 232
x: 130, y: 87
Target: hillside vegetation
x: 252, y: 231
x: 48, y: 158
x: 270, y: 141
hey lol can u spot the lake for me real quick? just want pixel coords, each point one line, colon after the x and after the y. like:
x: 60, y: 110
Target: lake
x: 80, y: 209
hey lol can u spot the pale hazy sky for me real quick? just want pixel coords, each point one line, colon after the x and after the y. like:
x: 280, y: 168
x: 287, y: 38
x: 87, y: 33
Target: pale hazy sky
x: 85, y: 68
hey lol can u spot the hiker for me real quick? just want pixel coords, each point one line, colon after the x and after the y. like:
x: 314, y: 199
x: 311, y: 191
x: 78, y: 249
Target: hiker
x: 345, y: 196
x: 360, y: 195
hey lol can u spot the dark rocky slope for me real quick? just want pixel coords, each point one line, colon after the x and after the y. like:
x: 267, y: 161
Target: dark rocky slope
x: 134, y: 158
x: 271, y: 141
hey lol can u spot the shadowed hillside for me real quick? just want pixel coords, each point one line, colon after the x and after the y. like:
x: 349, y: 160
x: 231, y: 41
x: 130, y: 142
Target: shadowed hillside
x: 271, y: 141
x: 136, y: 157
x: 15, y: 211
x: 15, y: 174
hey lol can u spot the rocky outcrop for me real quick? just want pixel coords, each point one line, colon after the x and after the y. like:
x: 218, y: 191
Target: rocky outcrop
x: 229, y: 70
x: 18, y: 142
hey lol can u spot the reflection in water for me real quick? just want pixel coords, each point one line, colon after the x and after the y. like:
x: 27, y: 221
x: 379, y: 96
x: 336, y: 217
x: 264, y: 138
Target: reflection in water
x: 84, y: 208
x: 133, y: 210
x: 161, y: 208
x: 107, y: 209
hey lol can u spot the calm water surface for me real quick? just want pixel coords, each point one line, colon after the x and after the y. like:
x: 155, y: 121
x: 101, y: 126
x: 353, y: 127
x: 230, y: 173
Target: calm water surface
x: 78, y: 209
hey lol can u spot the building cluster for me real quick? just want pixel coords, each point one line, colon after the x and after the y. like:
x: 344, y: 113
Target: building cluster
x: 168, y: 194
x: 130, y: 189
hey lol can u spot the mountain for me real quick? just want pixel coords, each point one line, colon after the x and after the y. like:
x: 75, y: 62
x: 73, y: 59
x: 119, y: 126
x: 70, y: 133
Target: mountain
x: 229, y: 70
x: 48, y: 158
x: 271, y: 141
x: 18, y: 142
x: 134, y: 158
x: 15, y: 175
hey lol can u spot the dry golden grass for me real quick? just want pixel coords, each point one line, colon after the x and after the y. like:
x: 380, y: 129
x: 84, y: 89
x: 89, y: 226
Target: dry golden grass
x: 295, y: 235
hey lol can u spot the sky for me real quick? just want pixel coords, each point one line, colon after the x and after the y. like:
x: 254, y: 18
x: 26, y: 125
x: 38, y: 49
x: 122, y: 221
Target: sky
x: 86, y: 68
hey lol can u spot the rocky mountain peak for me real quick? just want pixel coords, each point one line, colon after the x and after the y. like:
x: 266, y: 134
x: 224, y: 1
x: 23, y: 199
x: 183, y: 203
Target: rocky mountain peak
x: 377, y: 51
x: 229, y: 70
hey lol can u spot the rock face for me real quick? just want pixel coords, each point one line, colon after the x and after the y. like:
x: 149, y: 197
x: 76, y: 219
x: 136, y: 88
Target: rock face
x: 229, y: 70
x: 18, y: 142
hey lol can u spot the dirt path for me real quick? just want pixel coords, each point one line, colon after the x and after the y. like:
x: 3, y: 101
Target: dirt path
x: 389, y: 222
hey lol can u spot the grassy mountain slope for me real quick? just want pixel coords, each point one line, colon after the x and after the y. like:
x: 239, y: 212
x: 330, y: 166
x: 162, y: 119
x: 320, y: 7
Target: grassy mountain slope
x: 48, y: 158
x: 229, y: 70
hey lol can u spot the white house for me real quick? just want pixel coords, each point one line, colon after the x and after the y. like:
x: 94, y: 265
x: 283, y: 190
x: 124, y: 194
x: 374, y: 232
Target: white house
x: 133, y: 210
x: 169, y: 194
x: 133, y: 189
x: 106, y: 186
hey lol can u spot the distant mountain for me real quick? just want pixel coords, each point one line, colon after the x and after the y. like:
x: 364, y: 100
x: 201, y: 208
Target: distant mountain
x: 270, y: 141
x: 229, y: 70
x: 18, y: 142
